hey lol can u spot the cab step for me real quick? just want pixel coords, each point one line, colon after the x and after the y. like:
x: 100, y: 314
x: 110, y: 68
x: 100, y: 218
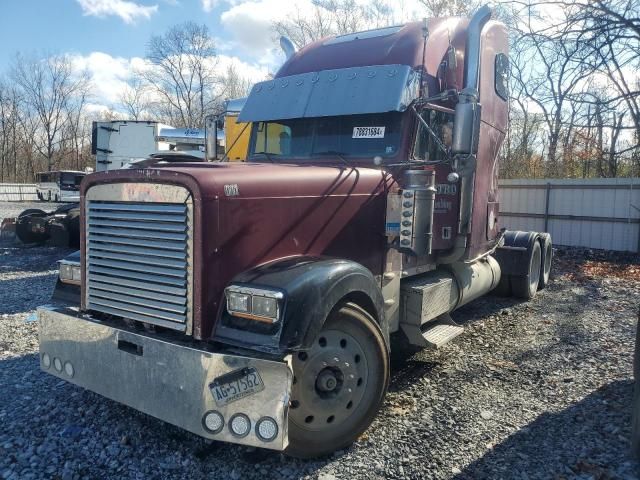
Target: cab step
x: 433, y: 334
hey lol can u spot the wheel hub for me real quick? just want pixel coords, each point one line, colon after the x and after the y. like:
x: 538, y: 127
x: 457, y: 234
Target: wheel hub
x: 329, y: 381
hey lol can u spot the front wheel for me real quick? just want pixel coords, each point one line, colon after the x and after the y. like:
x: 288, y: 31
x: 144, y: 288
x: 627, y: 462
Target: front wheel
x: 338, y: 385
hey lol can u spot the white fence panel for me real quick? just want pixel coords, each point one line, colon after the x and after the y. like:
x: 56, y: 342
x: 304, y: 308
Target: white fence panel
x: 18, y: 192
x: 595, y: 213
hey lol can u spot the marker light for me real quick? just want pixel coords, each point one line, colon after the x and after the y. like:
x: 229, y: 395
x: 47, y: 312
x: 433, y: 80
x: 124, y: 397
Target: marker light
x: 69, y: 272
x: 267, y: 429
x: 57, y: 364
x: 213, y: 421
x: 68, y: 369
x: 240, y: 425
x: 46, y: 360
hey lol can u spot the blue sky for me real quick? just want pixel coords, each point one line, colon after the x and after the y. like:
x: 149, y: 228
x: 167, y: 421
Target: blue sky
x: 61, y: 26
x: 109, y: 37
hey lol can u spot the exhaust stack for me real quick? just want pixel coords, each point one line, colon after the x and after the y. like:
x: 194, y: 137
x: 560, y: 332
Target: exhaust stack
x: 467, y: 117
x: 466, y: 131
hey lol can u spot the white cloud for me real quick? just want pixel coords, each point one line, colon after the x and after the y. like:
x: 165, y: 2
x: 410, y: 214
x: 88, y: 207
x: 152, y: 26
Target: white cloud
x: 109, y: 75
x: 208, y: 5
x: 250, y: 23
x: 252, y: 72
x: 127, y: 10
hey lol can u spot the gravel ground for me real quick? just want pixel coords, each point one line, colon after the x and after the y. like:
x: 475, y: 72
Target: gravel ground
x: 537, y: 390
x: 13, y: 209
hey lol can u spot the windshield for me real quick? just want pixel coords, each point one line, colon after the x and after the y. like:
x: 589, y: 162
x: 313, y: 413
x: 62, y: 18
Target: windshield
x: 366, y: 135
x: 70, y: 181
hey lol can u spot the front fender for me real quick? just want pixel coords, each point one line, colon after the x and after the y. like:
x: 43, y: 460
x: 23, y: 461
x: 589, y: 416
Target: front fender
x: 312, y: 287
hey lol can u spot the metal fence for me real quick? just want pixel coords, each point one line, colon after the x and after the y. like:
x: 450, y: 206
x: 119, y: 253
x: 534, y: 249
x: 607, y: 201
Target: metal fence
x: 594, y: 213
x: 18, y: 192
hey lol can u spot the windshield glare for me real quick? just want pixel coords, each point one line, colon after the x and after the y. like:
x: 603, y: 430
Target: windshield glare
x: 350, y: 136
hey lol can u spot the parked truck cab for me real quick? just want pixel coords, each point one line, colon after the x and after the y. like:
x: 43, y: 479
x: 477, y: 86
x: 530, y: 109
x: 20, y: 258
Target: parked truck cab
x: 254, y: 302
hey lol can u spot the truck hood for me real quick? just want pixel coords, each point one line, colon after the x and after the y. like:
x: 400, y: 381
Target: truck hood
x: 248, y: 214
x: 260, y: 180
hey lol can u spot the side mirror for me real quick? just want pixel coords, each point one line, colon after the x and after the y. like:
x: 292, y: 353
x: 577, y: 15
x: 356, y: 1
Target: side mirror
x: 466, y: 128
x: 211, y: 137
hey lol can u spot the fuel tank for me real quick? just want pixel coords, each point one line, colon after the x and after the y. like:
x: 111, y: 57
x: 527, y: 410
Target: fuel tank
x: 247, y: 214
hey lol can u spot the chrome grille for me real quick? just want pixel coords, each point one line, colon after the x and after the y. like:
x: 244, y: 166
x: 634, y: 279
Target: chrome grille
x: 138, y: 261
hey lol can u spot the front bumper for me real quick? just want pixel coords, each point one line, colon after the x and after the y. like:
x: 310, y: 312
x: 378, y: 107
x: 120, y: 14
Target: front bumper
x: 166, y: 380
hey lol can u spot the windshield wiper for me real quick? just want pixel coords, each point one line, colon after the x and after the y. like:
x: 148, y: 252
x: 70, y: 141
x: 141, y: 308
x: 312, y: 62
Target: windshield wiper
x: 267, y: 156
x: 333, y: 152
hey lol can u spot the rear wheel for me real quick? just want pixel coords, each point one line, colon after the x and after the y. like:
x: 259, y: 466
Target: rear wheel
x: 23, y: 226
x: 527, y: 286
x: 339, y: 384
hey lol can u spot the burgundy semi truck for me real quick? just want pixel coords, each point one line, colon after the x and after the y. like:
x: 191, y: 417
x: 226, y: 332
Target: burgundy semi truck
x: 254, y: 302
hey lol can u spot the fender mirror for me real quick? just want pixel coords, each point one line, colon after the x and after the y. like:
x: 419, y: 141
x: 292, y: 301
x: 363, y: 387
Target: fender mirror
x: 211, y: 137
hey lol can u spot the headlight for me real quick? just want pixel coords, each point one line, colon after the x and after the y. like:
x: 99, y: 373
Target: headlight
x: 69, y: 272
x: 254, y: 303
x: 264, y: 306
x: 238, y: 302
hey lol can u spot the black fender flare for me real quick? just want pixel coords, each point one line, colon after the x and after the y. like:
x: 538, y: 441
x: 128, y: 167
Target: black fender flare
x: 313, y: 287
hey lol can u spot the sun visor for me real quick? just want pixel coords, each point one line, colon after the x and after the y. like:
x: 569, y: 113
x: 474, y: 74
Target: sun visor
x: 344, y: 91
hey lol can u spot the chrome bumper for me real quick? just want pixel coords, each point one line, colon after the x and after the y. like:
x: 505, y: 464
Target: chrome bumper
x: 168, y: 381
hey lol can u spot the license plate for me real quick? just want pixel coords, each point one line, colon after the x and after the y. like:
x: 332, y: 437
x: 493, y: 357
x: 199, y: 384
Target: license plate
x: 235, y: 385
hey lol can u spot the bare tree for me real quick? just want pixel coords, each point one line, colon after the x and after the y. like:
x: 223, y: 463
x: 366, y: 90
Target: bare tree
x: 234, y: 84
x: 135, y: 99
x: 47, y: 87
x: 10, y: 113
x: 182, y: 73
x: 443, y: 8
x: 335, y: 17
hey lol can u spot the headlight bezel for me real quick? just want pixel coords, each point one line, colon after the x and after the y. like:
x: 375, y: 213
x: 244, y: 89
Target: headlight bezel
x: 262, y: 294
x: 69, y: 272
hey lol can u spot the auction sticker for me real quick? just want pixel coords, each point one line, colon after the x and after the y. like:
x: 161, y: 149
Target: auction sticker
x: 368, y: 132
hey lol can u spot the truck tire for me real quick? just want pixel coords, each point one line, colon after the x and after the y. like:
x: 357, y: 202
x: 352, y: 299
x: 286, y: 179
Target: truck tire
x: 526, y: 286
x: 547, y: 257
x: 23, y: 227
x: 338, y: 384
x: 635, y: 406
